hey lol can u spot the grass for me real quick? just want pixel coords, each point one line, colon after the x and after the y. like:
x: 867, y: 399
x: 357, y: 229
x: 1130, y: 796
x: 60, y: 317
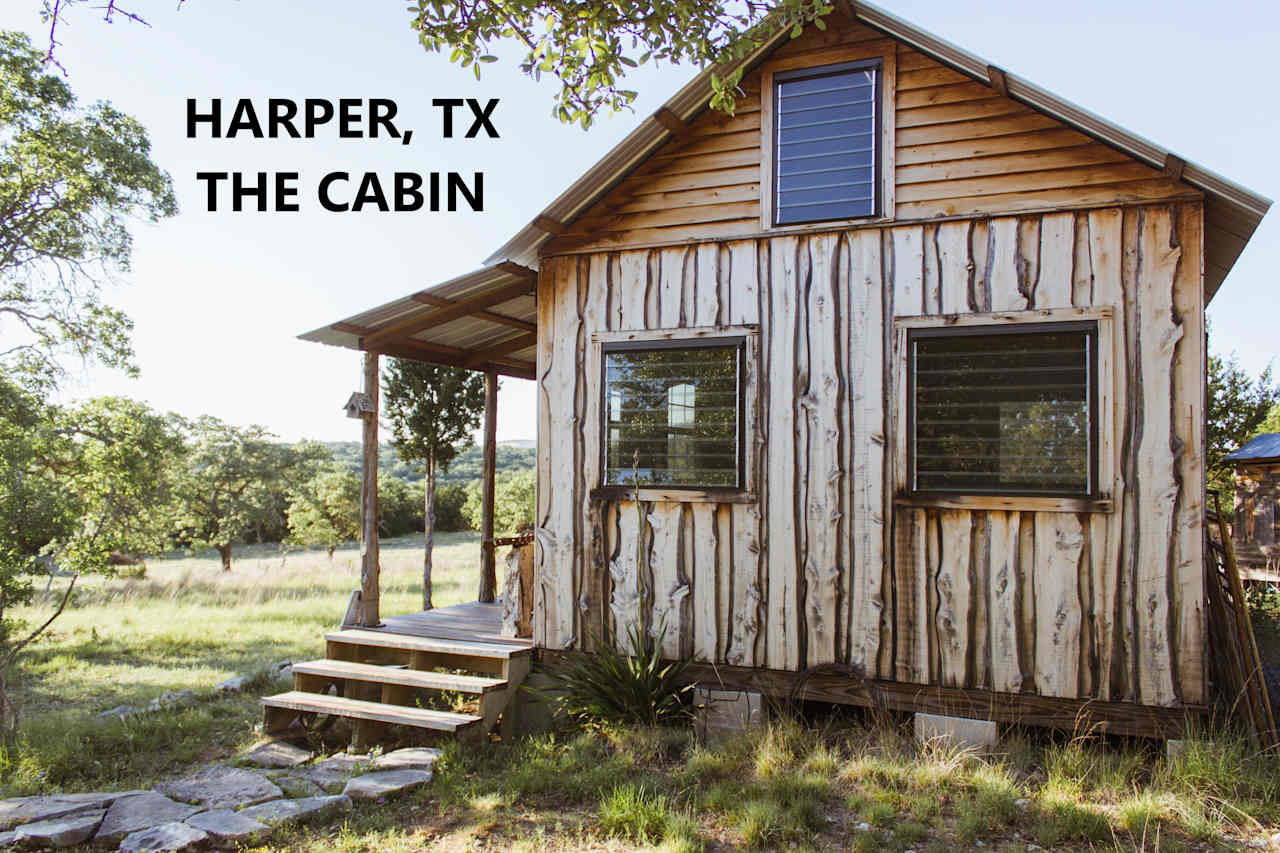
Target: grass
x: 187, y: 625
x: 831, y: 783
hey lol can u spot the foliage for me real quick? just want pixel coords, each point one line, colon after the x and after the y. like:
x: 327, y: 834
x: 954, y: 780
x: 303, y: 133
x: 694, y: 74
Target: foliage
x: 1238, y: 406
x: 399, y: 506
x: 590, y: 47
x: 607, y: 685
x: 513, y: 499
x: 76, y: 484
x: 450, y: 501
x: 70, y: 181
x: 512, y: 456
x: 325, y: 510
x: 432, y: 410
x: 236, y: 481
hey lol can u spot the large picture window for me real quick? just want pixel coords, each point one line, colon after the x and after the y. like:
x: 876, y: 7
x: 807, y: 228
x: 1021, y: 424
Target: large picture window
x: 671, y: 414
x: 1003, y: 410
x: 826, y: 126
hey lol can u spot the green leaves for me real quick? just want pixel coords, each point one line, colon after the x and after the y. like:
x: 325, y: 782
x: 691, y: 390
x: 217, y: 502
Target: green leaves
x: 590, y: 47
x: 71, y: 180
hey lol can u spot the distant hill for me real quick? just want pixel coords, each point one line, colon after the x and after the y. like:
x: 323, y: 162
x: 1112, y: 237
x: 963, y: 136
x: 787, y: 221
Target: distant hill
x: 513, y: 457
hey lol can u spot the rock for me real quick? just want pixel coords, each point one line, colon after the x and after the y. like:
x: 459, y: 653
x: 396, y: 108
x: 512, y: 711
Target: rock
x: 119, y: 712
x: 59, y: 832
x: 30, y: 809
x: 295, y: 786
x: 129, y: 814
x: 226, y: 828
x: 371, y: 786
x: 412, y: 758
x: 863, y: 827
x: 277, y: 812
x: 275, y: 753
x: 172, y: 699
x: 235, y: 684
x: 332, y: 773
x: 7, y: 838
x: 220, y: 787
x: 166, y: 836
x: 282, y: 670
x: 1022, y: 803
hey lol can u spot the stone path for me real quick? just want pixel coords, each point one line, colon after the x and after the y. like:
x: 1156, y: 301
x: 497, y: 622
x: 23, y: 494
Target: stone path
x: 218, y: 805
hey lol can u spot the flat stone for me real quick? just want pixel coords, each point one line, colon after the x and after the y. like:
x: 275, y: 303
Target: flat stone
x: 119, y: 712
x: 963, y: 731
x: 167, y: 836
x: 411, y: 758
x: 226, y: 828
x: 235, y: 684
x: 295, y: 786
x: 127, y: 815
x: 371, y: 786
x: 221, y: 787
x: 275, y: 753
x: 172, y: 699
x: 30, y: 809
x: 59, y: 832
x: 332, y: 773
x: 277, y: 812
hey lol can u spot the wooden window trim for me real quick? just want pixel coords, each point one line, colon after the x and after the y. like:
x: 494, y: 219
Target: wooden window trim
x: 747, y: 338
x: 1109, y: 420
x: 884, y: 50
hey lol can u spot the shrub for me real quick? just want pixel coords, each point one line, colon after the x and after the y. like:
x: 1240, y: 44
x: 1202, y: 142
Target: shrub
x: 449, y: 503
x: 513, y: 497
x: 633, y: 812
x: 608, y: 685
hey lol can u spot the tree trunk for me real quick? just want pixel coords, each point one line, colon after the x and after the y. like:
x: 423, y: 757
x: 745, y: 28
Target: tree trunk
x: 428, y: 530
x: 224, y: 551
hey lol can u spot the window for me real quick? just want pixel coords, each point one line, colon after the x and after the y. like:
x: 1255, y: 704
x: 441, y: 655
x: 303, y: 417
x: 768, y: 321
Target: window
x: 1003, y: 410
x: 672, y: 414
x: 826, y: 139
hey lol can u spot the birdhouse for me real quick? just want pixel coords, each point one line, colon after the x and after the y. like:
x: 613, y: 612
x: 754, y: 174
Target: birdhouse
x: 357, y: 404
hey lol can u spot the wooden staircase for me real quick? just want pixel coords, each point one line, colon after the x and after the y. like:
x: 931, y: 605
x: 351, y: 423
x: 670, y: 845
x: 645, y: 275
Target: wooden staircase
x: 376, y: 678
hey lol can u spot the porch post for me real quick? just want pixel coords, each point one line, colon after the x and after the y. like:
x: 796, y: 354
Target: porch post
x: 369, y: 584
x: 488, y: 566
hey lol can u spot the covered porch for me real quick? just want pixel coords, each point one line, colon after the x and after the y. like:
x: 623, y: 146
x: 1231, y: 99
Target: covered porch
x: 484, y: 321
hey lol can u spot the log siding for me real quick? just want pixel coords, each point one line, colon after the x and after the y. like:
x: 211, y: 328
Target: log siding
x: 821, y: 565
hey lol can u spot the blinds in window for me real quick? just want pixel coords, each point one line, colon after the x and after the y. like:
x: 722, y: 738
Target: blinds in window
x: 1006, y: 413
x: 825, y: 125
x: 672, y: 415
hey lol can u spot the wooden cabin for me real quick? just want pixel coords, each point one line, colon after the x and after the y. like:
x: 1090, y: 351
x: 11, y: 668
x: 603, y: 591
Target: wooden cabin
x: 887, y: 389
x: 1256, y: 528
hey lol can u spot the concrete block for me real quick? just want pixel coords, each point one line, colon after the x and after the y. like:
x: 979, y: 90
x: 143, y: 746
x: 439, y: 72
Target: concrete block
x: 963, y: 731
x: 533, y: 715
x: 726, y: 712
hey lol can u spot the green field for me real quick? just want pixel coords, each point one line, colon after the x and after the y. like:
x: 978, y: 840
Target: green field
x: 189, y: 625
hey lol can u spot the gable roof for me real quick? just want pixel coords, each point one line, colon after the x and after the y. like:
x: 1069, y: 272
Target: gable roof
x: 1262, y: 446
x: 1232, y: 212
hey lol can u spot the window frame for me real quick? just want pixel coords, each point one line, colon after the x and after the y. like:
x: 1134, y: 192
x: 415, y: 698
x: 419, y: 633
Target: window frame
x: 1104, y: 461
x: 877, y: 134
x: 882, y: 51
x: 744, y: 339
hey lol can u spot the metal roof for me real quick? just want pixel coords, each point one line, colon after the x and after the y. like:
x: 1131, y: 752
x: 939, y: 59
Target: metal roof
x: 1232, y: 212
x: 1263, y: 446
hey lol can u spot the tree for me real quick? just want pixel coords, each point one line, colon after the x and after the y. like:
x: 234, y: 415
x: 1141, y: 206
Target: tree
x: 76, y: 484
x: 590, y: 47
x: 513, y: 499
x: 325, y: 511
x: 432, y: 411
x: 234, y: 481
x: 71, y: 179
x: 1238, y: 406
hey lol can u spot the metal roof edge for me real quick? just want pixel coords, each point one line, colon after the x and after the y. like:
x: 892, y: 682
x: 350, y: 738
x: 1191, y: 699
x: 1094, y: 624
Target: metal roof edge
x: 640, y: 143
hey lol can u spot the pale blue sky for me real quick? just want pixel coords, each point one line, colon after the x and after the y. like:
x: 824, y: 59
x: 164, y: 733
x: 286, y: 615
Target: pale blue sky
x: 218, y: 298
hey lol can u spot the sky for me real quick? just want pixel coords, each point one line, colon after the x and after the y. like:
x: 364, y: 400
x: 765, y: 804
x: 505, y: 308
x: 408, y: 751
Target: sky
x: 218, y: 298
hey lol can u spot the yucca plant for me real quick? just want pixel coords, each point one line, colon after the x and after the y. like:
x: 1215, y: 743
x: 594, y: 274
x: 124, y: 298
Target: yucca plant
x: 609, y: 685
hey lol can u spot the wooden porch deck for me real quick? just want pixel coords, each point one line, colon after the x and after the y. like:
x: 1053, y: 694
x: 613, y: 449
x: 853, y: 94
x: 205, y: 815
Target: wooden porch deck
x: 472, y: 621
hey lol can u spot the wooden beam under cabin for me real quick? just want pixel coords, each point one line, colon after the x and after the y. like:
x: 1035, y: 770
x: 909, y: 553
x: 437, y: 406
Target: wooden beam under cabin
x: 413, y: 325
x: 506, y: 347
x: 452, y: 357
x: 370, y: 583
x: 488, y: 474
x: 491, y: 316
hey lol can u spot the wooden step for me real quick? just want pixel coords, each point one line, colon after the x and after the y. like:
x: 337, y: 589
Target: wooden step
x: 359, y: 637
x: 399, y: 675
x: 422, y: 718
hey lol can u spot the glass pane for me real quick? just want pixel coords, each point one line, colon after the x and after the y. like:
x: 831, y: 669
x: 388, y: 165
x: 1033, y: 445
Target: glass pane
x: 672, y: 417
x: 824, y: 157
x: 1003, y: 413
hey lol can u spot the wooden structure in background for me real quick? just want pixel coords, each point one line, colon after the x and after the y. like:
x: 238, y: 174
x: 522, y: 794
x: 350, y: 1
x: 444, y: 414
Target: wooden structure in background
x: 998, y: 205
x: 1256, y: 530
